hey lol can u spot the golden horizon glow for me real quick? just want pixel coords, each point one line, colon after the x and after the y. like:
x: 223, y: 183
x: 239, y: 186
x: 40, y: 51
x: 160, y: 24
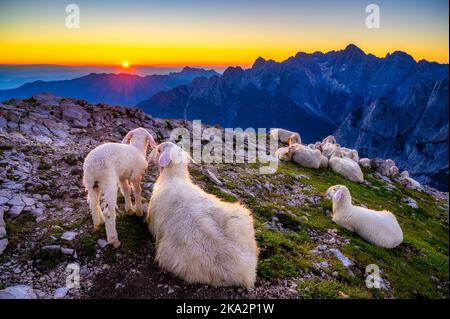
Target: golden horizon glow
x: 125, y: 65
x: 219, y: 34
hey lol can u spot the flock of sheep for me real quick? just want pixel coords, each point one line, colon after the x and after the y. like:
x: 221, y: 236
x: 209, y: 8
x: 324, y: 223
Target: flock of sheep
x: 199, y: 237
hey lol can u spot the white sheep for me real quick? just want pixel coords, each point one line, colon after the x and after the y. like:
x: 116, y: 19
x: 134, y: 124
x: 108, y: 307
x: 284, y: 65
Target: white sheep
x: 323, y: 161
x: 345, y: 167
x: 351, y: 154
x: 409, y: 182
x: 294, y: 139
x: 364, y: 162
x: 282, y: 135
x: 198, y: 237
x: 305, y: 156
x: 330, y: 139
x: 113, y: 165
x: 329, y: 148
x: 284, y: 154
x: 377, y: 227
x: 394, y: 171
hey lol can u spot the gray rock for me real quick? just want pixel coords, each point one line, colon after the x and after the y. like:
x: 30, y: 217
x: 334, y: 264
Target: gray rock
x: 3, y: 244
x: 51, y: 247
x: 60, y: 292
x: 67, y: 251
x: 2, y: 232
x: 344, y: 260
x: 18, y: 292
x: 102, y: 243
x: 15, y: 211
x: 69, y: 235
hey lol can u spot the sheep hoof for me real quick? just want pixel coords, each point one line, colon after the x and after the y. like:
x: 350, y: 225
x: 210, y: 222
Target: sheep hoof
x: 115, y: 243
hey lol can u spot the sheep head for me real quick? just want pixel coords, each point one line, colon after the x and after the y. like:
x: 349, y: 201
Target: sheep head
x: 168, y: 154
x: 329, y: 139
x: 294, y: 139
x: 339, y: 194
x: 140, y: 138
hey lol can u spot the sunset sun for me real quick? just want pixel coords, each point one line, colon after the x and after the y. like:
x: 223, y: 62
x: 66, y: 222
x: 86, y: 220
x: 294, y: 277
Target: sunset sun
x: 125, y: 65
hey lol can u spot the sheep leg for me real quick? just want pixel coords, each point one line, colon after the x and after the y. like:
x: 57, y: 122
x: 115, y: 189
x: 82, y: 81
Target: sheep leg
x: 110, y: 215
x: 137, y: 195
x: 94, y: 206
x: 125, y: 189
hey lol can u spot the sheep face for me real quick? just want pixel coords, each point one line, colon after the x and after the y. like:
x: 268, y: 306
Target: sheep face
x: 404, y: 174
x: 294, y: 139
x: 140, y: 138
x: 338, y: 193
x: 337, y: 153
x: 168, y: 154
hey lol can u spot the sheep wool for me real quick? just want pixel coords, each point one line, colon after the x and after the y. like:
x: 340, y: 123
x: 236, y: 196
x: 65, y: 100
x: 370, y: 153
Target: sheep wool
x: 283, y: 135
x: 346, y: 167
x: 377, y: 227
x: 198, y: 237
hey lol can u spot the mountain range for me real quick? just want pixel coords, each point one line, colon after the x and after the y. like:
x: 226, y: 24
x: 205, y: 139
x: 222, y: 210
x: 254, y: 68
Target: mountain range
x: 117, y: 89
x: 393, y: 107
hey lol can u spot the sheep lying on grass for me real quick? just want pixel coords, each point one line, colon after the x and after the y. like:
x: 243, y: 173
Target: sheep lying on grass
x: 282, y: 135
x: 306, y: 156
x: 377, y: 227
x: 198, y: 237
x: 113, y: 165
x: 345, y: 167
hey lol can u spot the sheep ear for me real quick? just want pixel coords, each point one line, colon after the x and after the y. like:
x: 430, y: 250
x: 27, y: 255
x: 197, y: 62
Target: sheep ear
x: 165, y: 159
x: 337, y: 196
x: 127, y: 138
x: 151, y: 141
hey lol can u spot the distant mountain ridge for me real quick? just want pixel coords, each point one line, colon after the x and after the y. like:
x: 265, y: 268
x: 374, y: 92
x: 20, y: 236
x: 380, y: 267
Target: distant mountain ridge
x: 116, y: 89
x: 391, y: 106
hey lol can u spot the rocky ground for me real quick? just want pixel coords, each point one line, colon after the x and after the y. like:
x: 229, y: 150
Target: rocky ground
x: 45, y: 225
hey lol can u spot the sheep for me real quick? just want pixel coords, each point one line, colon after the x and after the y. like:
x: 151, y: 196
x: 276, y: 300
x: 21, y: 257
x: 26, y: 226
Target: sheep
x: 394, y: 171
x: 305, y: 156
x: 284, y: 154
x: 111, y: 165
x: 283, y: 135
x: 364, y: 162
x: 330, y: 139
x: 390, y: 163
x: 329, y: 148
x: 409, y: 182
x: 351, y: 154
x: 323, y: 162
x: 377, y: 227
x: 198, y: 237
x: 345, y: 167
x: 294, y: 139
x: 318, y: 146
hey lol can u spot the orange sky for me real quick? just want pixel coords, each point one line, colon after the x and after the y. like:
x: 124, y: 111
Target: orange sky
x: 208, y: 34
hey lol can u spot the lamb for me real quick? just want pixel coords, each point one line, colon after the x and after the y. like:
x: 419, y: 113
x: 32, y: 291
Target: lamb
x: 305, y: 156
x: 198, y: 237
x: 377, y: 227
x: 111, y: 165
x: 364, y: 162
x: 409, y: 182
x: 345, y: 167
x: 282, y: 135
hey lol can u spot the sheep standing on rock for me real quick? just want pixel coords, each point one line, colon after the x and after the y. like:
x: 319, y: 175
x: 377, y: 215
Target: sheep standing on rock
x: 345, y: 167
x: 282, y: 135
x: 377, y: 227
x: 113, y: 165
x: 198, y: 237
